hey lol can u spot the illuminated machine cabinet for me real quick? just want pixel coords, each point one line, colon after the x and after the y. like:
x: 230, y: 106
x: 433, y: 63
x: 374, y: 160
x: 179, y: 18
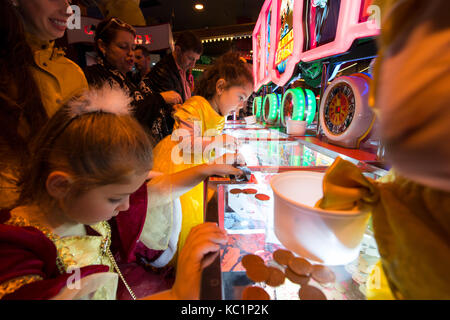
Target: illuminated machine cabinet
x: 308, y: 33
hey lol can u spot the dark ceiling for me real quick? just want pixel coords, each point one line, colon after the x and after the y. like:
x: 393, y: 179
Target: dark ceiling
x: 216, y: 12
x: 182, y: 15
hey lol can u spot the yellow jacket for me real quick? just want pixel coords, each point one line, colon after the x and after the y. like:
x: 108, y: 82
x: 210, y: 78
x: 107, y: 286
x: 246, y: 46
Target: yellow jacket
x: 57, y: 77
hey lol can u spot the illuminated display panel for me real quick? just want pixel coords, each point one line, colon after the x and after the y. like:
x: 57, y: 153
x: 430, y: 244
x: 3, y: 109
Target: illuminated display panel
x: 342, y: 23
x: 261, y: 46
x: 350, y: 26
x: 286, y: 35
x: 321, y: 18
x: 287, y: 40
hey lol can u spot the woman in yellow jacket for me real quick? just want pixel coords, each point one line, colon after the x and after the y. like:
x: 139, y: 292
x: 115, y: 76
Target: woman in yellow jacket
x: 197, y: 136
x: 58, y: 78
x: 36, y: 79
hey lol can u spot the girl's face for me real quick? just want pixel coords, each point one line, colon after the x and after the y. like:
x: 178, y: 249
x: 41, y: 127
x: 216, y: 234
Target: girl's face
x: 120, y: 52
x: 46, y: 19
x: 233, y: 98
x: 102, y: 203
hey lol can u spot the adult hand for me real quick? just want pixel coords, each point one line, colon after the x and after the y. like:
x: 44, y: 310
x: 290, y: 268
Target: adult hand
x: 171, y: 97
x: 201, y: 248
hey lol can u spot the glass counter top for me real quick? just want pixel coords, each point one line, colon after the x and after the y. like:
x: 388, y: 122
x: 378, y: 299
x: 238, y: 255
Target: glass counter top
x: 254, y: 133
x: 281, y: 153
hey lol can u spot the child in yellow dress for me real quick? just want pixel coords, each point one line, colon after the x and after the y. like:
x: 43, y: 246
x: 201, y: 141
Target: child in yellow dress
x: 197, y: 136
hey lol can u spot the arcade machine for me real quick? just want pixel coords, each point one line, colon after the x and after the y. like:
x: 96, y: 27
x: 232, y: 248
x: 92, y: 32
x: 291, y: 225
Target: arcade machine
x: 311, y: 41
x: 299, y: 46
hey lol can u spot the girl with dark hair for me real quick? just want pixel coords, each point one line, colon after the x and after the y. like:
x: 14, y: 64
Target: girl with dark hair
x: 114, y: 41
x: 197, y: 134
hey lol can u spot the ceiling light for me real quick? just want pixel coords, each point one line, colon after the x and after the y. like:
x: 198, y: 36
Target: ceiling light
x: 198, y: 5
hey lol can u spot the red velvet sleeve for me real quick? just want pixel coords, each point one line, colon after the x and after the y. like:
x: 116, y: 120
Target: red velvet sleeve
x: 26, y: 251
x: 126, y: 229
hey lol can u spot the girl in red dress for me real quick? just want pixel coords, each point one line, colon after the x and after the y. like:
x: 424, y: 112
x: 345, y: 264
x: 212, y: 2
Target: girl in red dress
x: 90, y: 223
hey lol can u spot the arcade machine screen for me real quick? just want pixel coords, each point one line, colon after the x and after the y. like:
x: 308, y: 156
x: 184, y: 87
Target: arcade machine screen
x: 286, y: 35
x: 321, y: 19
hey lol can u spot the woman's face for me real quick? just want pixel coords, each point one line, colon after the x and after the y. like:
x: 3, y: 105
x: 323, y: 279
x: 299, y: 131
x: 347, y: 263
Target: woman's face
x: 46, y: 19
x: 120, y: 52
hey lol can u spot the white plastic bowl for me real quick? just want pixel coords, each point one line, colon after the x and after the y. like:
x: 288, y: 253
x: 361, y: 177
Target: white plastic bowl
x: 328, y: 237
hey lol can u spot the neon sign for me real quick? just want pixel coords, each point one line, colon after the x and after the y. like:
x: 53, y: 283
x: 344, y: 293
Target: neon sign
x: 261, y: 45
x: 286, y: 38
x: 330, y: 28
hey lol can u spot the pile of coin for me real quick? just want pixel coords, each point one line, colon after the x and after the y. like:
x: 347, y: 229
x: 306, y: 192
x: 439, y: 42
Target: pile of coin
x: 259, y: 196
x: 296, y: 269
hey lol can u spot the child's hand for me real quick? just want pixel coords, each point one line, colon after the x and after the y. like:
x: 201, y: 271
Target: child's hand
x: 171, y: 97
x: 222, y: 170
x: 199, y: 251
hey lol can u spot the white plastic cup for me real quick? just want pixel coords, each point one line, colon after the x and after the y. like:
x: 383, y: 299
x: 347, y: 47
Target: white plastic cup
x: 295, y: 127
x: 250, y: 119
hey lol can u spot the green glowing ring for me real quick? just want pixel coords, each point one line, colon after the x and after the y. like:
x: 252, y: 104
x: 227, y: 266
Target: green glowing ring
x: 270, y: 116
x: 311, y: 106
x: 298, y: 101
x: 257, y: 104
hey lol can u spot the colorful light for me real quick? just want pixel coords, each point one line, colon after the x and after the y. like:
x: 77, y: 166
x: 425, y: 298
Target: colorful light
x: 257, y: 107
x: 272, y: 100
x: 298, y: 101
x: 311, y: 104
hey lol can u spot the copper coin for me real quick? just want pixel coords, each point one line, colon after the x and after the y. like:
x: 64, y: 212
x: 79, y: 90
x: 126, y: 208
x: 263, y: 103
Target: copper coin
x: 251, y: 259
x: 255, y: 293
x: 282, y: 256
x: 235, y: 191
x: 276, y: 277
x: 262, y: 197
x: 257, y: 272
x: 250, y: 191
x: 311, y: 293
x: 322, y: 274
x: 295, y: 278
x: 300, y: 266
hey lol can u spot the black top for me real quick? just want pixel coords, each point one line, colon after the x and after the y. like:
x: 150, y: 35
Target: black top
x: 164, y: 76
x: 148, y: 106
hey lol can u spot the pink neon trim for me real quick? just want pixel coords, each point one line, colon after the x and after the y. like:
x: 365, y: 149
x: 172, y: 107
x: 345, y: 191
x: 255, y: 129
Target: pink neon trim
x: 348, y: 29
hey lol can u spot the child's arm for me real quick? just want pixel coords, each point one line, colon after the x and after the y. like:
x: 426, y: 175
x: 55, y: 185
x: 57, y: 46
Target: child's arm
x: 170, y: 186
x: 193, y: 139
x: 200, y: 250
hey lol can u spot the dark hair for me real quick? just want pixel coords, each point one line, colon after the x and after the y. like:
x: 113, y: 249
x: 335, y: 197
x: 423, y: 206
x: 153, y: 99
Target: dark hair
x: 20, y: 98
x: 230, y: 67
x: 188, y: 41
x: 106, y: 30
x: 95, y: 148
x: 144, y: 50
